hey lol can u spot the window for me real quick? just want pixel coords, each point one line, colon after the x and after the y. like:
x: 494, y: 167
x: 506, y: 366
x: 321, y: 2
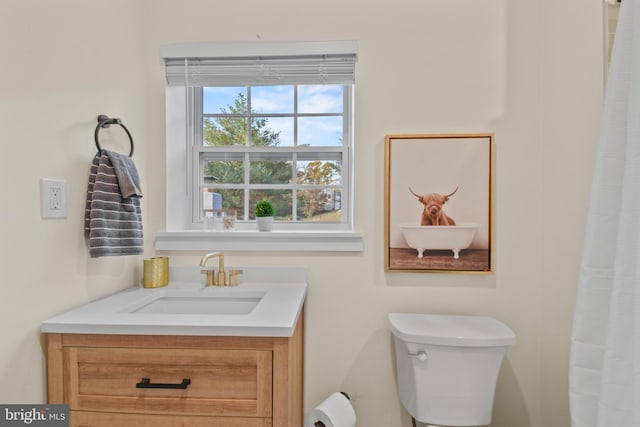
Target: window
x: 260, y: 120
x: 288, y: 144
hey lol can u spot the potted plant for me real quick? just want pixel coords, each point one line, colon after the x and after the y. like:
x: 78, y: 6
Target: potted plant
x: 264, y: 215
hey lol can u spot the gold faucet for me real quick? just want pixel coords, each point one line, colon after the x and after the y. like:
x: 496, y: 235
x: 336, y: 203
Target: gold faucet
x: 212, y: 280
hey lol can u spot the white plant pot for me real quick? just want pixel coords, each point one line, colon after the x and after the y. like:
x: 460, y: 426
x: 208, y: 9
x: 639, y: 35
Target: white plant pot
x: 265, y: 223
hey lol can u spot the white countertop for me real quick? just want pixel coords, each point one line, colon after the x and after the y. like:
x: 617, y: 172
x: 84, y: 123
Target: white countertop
x: 276, y: 314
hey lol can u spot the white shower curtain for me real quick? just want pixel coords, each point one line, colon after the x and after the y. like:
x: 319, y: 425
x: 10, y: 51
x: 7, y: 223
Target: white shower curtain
x: 605, y: 347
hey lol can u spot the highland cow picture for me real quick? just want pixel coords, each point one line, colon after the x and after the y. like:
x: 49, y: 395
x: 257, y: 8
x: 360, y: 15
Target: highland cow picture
x: 438, y: 203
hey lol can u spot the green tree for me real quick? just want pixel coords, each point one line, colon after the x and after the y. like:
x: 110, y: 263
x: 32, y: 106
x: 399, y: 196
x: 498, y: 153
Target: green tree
x: 312, y: 202
x: 231, y: 129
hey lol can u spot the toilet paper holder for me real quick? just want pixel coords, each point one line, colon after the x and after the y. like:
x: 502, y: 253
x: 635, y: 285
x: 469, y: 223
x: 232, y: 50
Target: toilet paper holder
x: 320, y: 423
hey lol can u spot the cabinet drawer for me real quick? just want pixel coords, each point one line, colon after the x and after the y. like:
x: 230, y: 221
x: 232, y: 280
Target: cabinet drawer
x: 221, y: 382
x: 97, y: 419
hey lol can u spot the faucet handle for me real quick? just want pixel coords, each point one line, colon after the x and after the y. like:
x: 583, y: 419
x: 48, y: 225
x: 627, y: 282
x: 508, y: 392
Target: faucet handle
x: 211, y: 277
x: 233, y: 276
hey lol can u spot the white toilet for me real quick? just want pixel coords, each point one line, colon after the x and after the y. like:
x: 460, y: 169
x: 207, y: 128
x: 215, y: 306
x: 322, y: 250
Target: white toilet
x: 447, y: 366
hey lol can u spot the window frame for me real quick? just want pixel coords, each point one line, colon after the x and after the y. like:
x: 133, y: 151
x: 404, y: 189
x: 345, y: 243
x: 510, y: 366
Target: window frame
x: 180, y: 232
x: 345, y: 150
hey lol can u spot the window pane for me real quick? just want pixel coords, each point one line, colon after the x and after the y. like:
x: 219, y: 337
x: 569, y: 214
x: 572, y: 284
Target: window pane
x: 272, y: 131
x: 272, y: 99
x: 256, y: 154
x: 319, y: 205
x: 320, y: 131
x: 267, y: 168
x: 319, y: 172
x: 280, y: 199
x: 320, y: 98
x: 216, y: 199
x: 222, y: 168
x: 224, y: 131
x: 224, y: 100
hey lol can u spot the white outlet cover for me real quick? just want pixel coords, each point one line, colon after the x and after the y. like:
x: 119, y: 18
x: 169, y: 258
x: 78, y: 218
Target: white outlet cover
x: 53, y: 198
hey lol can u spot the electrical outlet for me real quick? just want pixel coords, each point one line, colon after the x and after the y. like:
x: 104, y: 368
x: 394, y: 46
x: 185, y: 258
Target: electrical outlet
x: 53, y: 198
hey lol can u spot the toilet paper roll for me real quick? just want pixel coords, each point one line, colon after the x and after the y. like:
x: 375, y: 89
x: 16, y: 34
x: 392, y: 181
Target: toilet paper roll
x: 334, y: 411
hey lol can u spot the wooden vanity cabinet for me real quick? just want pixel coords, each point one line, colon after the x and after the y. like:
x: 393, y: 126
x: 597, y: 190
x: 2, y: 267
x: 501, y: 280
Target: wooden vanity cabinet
x: 167, y: 381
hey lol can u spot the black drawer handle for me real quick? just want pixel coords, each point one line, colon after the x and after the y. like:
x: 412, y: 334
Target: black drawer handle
x: 146, y: 383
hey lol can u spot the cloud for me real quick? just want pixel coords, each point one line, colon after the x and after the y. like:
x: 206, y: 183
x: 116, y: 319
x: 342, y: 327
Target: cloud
x: 320, y: 99
x: 272, y: 99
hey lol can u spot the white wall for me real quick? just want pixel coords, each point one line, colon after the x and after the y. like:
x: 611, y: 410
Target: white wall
x: 528, y: 70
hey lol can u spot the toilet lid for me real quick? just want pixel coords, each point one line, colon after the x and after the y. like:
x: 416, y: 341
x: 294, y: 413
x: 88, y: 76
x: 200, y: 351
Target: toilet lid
x: 458, y: 331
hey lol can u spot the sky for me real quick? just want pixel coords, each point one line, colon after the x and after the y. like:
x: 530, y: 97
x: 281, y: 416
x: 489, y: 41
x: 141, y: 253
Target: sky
x: 318, y: 99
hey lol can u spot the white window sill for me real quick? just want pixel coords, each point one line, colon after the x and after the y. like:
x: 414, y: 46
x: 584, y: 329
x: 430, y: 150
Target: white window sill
x: 319, y: 241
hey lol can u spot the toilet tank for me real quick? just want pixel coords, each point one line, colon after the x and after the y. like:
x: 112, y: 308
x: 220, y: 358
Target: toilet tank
x: 447, y: 366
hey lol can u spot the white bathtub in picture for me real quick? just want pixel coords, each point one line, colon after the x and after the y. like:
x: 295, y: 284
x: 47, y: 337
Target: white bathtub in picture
x: 432, y: 237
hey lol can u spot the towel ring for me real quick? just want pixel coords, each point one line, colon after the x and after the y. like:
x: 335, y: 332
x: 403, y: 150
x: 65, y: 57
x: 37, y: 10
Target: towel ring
x: 105, y: 122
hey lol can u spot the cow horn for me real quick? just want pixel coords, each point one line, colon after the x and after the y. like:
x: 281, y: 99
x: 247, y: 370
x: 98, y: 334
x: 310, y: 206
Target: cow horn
x: 418, y: 196
x: 454, y: 192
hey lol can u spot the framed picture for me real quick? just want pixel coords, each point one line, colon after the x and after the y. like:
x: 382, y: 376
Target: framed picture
x: 438, y: 199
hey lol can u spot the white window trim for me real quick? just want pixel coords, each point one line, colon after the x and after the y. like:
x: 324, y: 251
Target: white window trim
x: 283, y: 241
x: 181, y: 233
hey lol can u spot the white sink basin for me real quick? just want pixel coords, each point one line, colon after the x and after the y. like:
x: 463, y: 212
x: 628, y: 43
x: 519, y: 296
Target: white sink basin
x: 199, y: 305
x: 265, y: 304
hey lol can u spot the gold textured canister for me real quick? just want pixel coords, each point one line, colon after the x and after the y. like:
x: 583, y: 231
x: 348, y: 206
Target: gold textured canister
x: 156, y: 272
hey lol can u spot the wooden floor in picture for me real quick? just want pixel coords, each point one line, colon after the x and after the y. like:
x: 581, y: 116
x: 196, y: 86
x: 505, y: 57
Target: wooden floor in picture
x: 469, y: 260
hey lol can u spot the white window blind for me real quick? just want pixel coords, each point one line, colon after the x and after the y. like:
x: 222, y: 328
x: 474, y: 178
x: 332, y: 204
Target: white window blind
x: 260, y: 63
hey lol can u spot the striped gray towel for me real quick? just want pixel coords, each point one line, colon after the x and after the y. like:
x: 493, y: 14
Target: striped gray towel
x: 112, y: 224
x: 127, y: 174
